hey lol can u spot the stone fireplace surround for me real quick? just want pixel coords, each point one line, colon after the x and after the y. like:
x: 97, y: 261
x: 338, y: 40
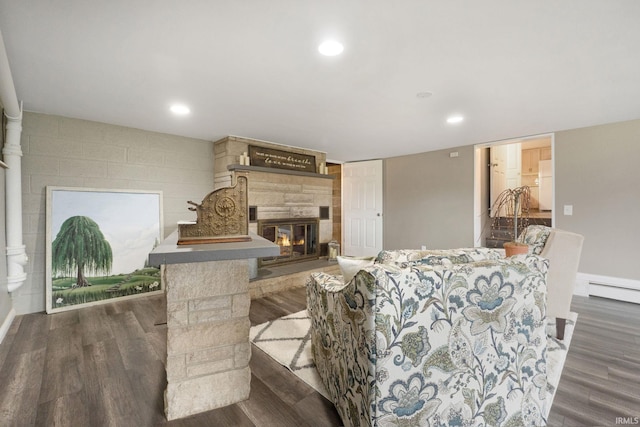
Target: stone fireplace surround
x: 277, y: 194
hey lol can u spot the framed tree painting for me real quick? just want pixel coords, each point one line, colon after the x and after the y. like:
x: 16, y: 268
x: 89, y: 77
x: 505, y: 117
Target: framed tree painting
x: 98, y: 242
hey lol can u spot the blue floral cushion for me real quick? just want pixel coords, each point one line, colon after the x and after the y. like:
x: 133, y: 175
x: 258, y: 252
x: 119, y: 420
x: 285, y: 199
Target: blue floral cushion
x: 536, y: 237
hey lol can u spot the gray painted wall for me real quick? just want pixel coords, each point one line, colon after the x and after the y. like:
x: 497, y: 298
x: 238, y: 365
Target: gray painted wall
x: 59, y: 151
x: 598, y: 172
x: 429, y: 197
x: 428, y: 200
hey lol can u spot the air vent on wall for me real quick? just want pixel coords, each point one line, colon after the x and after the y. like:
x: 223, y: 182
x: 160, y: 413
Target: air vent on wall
x: 324, y: 212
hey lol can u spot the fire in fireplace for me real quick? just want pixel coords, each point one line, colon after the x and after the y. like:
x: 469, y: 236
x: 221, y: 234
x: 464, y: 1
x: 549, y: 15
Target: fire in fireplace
x: 297, y: 238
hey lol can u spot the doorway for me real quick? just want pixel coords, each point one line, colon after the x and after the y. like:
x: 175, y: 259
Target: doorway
x: 362, y: 207
x: 509, y: 164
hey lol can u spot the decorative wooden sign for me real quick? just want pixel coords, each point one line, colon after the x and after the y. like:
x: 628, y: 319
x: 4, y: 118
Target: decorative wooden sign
x: 279, y: 159
x: 221, y: 217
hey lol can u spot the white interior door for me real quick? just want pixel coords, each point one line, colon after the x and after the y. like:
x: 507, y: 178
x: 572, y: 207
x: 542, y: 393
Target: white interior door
x: 498, y: 171
x: 545, y: 179
x: 513, y: 165
x: 506, y: 162
x: 362, y: 208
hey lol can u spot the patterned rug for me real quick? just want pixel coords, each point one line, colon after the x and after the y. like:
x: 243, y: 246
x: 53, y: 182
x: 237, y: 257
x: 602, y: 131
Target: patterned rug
x: 287, y: 340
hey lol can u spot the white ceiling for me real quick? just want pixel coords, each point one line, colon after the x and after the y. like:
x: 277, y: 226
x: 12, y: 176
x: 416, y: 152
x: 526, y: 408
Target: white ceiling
x: 251, y: 68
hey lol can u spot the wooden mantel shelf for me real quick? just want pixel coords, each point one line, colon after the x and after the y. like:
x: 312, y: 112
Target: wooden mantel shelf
x: 238, y: 167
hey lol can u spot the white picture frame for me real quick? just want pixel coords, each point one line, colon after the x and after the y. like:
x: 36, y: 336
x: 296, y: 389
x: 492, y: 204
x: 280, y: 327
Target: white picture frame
x: 129, y: 221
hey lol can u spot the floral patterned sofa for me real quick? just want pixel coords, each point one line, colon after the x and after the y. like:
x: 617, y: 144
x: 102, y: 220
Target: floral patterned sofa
x: 434, y: 338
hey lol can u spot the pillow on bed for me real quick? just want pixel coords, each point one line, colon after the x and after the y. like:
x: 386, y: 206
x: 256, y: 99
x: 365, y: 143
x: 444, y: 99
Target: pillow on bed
x: 351, y: 265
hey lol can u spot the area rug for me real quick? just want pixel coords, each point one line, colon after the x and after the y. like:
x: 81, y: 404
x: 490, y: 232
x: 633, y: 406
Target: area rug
x: 287, y: 340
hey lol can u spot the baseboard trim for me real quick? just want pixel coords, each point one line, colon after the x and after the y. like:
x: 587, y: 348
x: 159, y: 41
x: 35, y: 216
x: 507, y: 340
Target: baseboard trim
x: 7, y: 324
x: 608, y: 287
x: 582, y: 285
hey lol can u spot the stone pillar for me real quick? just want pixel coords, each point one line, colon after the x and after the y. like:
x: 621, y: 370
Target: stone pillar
x: 208, y: 348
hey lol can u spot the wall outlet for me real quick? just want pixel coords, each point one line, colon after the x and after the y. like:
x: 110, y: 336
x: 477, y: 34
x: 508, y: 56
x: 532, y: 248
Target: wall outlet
x: 453, y: 154
x: 568, y: 209
x: 423, y: 247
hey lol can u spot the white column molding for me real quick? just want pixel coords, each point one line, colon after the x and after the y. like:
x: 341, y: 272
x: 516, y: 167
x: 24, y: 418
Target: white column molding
x: 12, y: 153
x: 16, y: 254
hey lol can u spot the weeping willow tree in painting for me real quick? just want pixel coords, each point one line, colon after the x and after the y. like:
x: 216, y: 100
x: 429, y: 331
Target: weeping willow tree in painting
x: 80, y: 248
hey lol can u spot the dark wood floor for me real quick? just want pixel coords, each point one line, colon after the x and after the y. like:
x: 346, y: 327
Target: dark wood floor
x: 601, y: 378
x: 103, y: 366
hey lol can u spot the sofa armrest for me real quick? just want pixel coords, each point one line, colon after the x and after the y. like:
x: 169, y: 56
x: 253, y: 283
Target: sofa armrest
x: 327, y: 282
x: 342, y: 339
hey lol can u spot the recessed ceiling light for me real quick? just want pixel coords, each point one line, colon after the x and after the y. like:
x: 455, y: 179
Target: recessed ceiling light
x: 455, y: 119
x: 330, y: 48
x: 180, y: 109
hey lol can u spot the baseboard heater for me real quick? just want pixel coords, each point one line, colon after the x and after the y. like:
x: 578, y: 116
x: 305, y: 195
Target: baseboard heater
x: 614, y: 288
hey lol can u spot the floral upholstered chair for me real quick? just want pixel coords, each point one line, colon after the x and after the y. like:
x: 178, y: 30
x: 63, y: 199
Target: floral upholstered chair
x: 562, y: 249
x: 434, y: 339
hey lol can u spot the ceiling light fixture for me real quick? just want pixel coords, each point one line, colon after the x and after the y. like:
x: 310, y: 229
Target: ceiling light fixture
x: 180, y: 109
x: 330, y: 48
x: 455, y: 119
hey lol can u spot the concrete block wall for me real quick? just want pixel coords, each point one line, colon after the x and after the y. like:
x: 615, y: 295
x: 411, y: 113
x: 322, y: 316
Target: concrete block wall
x: 64, y: 152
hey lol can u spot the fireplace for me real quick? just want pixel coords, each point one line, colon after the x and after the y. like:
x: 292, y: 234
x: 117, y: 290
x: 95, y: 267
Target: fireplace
x: 297, y: 238
x: 293, y: 208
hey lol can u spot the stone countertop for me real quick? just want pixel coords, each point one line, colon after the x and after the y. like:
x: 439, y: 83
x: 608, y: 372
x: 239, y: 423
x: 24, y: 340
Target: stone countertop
x: 169, y: 252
